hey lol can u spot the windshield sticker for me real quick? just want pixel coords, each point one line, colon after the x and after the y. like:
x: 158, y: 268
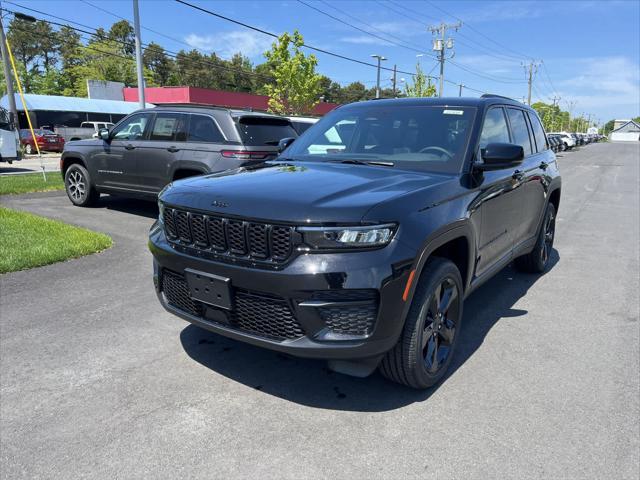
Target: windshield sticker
x: 453, y: 112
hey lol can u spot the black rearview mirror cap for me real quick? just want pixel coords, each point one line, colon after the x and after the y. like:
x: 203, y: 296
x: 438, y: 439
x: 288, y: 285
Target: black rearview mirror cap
x: 496, y: 156
x: 284, y: 143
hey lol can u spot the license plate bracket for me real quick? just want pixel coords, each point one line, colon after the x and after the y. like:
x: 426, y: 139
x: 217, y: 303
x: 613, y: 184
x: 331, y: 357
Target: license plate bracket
x: 210, y: 289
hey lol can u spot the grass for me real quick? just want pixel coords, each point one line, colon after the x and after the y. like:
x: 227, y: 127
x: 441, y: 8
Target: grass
x: 28, y: 241
x: 30, y: 182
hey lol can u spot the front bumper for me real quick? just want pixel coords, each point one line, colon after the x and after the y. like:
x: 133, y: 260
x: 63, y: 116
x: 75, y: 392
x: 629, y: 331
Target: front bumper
x: 298, y: 286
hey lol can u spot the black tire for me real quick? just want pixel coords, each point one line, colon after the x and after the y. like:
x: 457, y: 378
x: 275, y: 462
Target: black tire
x: 538, y: 259
x: 80, y: 190
x: 411, y: 360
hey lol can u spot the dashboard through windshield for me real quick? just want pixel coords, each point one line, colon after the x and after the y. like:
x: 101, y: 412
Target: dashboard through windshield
x: 429, y: 138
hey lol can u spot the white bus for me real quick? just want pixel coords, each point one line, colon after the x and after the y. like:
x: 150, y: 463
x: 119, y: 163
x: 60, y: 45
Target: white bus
x: 9, y: 138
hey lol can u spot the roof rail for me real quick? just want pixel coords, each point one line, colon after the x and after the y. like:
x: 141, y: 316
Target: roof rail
x: 493, y: 95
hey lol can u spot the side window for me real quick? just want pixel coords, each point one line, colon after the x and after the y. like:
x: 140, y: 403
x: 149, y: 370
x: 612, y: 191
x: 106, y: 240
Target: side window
x: 132, y: 128
x: 203, y: 129
x: 538, y: 133
x: 169, y: 127
x: 494, y: 129
x: 520, y: 130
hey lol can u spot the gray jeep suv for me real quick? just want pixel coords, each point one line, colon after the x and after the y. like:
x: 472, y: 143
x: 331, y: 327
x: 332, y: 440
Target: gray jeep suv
x: 150, y: 148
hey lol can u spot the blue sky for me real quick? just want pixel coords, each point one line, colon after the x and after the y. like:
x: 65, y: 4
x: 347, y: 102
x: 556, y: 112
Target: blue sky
x: 590, y: 49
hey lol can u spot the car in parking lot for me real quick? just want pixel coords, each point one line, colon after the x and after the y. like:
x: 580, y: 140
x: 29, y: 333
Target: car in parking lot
x: 150, y: 148
x: 567, y: 139
x: 362, y: 253
x: 47, y: 140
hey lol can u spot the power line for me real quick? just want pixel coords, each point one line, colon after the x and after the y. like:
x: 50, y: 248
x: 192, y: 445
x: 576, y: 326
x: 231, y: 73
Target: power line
x: 355, y: 27
x: 273, y: 35
x: 487, y: 76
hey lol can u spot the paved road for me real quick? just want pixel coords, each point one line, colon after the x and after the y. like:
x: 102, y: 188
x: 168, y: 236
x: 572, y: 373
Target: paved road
x: 33, y: 163
x: 98, y: 381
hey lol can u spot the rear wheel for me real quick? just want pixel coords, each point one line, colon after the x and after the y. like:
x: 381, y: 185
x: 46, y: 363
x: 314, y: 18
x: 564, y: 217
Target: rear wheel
x: 79, y: 187
x: 28, y: 149
x: 538, y: 259
x: 425, y: 349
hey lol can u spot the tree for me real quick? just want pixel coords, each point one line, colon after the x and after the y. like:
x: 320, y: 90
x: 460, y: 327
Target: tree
x: 354, y: 92
x: 297, y: 85
x: 156, y: 60
x: 241, y: 73
x: 122, y: 33
x: 421, y: 86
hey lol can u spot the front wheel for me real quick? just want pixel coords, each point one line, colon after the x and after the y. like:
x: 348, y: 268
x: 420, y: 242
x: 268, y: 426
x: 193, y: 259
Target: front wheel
x: 28, y: 149
x: 538, y: 259
x: 79, y: 187
x: 425, y: 349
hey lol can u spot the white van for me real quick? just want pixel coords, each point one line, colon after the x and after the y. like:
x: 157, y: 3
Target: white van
x: 9, y: 139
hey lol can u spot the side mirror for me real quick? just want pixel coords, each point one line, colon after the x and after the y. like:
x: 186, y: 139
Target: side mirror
x: 496, y: 156
x: 103, y: 133
x: 284, y: 143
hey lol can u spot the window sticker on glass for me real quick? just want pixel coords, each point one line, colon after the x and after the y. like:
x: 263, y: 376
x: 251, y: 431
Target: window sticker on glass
x: 453, y: 112
x: 164, y: 126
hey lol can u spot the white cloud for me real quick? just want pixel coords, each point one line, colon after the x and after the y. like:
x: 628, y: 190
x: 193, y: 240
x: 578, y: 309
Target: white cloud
x: 492, y: 65
x: 365, y: 40
x: 225, y: 44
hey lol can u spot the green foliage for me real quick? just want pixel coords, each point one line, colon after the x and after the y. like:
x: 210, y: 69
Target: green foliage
x: 30, y: 182
x: 28, y: 241
x: 421, y: 86
x: 297, y: 86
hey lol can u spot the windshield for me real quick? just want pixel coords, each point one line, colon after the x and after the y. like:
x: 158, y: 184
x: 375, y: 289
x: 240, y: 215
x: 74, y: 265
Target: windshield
x: 432, y: 138
x: 256, y: 130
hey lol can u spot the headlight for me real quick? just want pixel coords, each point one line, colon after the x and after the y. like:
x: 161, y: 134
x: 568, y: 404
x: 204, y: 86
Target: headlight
x: 374, y: 236
x: 161, y: 210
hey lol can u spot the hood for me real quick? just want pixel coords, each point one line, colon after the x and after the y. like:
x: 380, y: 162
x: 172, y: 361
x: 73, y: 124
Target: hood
x: 310, y: 192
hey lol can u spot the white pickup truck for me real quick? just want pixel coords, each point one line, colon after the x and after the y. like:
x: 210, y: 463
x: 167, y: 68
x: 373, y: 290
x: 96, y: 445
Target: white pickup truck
x: 85, y: 130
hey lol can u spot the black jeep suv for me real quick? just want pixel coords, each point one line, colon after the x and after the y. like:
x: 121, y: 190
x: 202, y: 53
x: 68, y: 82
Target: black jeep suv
x: 360, y: 242
x: 149, y: 148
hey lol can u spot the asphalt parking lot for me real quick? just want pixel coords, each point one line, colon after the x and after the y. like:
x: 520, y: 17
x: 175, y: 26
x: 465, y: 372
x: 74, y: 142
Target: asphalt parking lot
x: 98, y: 381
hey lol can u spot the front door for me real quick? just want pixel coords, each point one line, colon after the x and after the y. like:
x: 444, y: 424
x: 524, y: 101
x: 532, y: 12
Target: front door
x: 497, y: 205
x: 116, y: 164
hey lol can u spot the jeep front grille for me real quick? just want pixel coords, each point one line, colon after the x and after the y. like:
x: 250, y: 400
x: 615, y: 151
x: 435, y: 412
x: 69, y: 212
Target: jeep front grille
x: 228, y: 237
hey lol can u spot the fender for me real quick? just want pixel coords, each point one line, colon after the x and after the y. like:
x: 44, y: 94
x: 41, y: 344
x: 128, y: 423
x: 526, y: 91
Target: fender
x: 66, y: 160
x: 460, y: 228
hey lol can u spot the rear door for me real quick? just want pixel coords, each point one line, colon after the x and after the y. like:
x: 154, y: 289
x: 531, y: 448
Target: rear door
x: 529, y: 176
x: 162, y: 148
x: 115, y: 162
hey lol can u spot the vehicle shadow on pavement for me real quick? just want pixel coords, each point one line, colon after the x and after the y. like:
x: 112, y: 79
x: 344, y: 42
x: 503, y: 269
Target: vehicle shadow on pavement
x: 134, y: 206
x: 311, y: 383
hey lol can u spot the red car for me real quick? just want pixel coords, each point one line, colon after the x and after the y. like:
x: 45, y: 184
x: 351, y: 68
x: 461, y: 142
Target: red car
x: 48, y: 141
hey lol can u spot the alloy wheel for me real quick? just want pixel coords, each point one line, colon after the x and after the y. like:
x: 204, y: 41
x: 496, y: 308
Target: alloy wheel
x: 76, y: 185
x: 549, y: 233
x: 440, y: 325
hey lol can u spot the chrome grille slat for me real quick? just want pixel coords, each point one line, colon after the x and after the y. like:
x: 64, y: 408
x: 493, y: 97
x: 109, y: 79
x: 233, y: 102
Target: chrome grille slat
x: 229, y: 237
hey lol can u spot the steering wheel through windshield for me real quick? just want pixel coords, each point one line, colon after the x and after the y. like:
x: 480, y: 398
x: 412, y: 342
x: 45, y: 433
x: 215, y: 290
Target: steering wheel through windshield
x: 439, y: 150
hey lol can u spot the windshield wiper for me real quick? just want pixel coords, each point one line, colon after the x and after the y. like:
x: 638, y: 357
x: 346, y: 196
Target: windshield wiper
x: 368, y: 162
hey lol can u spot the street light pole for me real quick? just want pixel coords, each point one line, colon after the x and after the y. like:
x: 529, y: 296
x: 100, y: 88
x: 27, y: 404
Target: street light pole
x: 136, y: 27
x: 460, y: 91
x: 380, y: 59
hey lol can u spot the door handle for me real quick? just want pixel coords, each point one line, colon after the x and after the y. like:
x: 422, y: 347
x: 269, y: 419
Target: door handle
x: 129, y: 147
x: 518, y: 175
x: 173, y: 149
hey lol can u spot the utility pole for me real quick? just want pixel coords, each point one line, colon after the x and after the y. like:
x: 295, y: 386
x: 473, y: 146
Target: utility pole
x: 570, y: 106
x: 553, y: 112
x: 380, y: 59
x: 588, y: 123
x: 8, y: 76
x: 136, y: 27
x: 395, y: 67
x: 441, y: 45
x: 532, y: 68
x: 460, y: 91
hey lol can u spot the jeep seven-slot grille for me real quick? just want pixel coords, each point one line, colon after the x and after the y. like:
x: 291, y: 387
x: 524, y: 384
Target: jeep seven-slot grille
x: 257, y: 313
x: 229, y: 237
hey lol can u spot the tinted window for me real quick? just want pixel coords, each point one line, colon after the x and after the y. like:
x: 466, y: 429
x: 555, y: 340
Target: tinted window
x: 264, y: 130
x: 538, y: 133
x: 169, y: 127
x: 132, y: 128
x: 300, y: 127
x: 428, y: 138
x: 204, y: 129
x: 519, y: 129
x: 494, y: 129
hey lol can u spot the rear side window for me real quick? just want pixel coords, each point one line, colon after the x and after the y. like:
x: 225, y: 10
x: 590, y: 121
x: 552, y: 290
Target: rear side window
x: 169, y: 127
x: 495, y: 128
x: 538, y: 133
x: 204, y: 129
x: 301, y: 127
x: 520, y: 130
x: 264, y: 130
